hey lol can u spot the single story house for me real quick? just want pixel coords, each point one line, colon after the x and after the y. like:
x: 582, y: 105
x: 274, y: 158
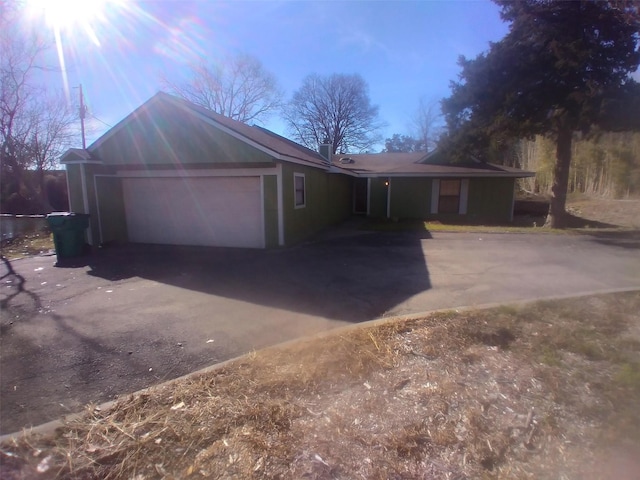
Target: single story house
x: 172, y: 172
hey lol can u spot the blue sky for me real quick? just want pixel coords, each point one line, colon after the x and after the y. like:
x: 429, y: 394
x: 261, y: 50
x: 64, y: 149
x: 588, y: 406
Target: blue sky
x: 404, y: 50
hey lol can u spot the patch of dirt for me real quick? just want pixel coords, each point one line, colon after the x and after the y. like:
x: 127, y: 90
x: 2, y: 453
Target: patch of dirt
x: 27, y: 245
x: 622, y: 213
x: 544, y: 390
x: 585, y: 212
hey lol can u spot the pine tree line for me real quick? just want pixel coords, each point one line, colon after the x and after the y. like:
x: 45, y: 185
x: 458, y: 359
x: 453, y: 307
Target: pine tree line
x: 606, y: 165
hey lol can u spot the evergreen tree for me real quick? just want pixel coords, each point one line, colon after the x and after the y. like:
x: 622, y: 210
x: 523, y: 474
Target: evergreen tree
x: 563, y: 67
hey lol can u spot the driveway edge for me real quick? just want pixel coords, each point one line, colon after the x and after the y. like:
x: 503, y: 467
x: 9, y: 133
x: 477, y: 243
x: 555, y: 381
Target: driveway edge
x: 50, y: 427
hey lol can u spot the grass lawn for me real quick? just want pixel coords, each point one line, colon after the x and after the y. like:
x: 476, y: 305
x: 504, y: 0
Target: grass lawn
x: 543, y: 390
x: 435, y: 226
x: 586, y: 215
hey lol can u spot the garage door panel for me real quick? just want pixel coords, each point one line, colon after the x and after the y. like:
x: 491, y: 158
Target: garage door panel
x: 211, y: 211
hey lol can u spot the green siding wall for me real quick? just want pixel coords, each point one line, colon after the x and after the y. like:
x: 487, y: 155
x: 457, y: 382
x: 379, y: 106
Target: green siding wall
x: 490, y: 199
x: 168, y: 137
x: 109, y: 199
x: 339, y: 192
x: 270, y: 185
x: 75, y: 188
x: 411, y: 197
x: 378, y: 198
x: 76, y: 199
x: 112, y: 213
x: 110, y: 225
x: 328, y: 201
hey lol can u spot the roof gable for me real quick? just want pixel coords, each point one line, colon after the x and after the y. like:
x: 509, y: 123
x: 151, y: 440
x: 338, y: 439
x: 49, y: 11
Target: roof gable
x: 167, y: 129
x: 160, y: 133
x: 77, y: 155
x: 282, y: 147
x: 170, y: 130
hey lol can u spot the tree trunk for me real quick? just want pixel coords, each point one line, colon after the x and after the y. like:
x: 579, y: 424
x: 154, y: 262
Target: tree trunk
x: 557, y: 214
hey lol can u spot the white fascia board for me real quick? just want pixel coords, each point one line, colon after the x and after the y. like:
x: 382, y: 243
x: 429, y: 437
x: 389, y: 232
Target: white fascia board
x: 222, y: 172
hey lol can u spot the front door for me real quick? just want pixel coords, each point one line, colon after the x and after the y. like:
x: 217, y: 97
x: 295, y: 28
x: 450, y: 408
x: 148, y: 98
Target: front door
x: 360, y: 195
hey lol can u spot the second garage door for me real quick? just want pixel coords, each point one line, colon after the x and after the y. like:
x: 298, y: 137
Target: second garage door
x: 208, y: 211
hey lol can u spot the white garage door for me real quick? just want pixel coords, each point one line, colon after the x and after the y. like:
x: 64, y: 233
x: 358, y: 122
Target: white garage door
x: 209, y: 211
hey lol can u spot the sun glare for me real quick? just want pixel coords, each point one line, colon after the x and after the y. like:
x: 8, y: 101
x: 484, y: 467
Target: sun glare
x: 70, y: 21
x: 64, y: 15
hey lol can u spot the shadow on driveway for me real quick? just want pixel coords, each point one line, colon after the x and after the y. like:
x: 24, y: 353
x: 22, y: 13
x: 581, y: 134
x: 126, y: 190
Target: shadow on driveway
x: 629, y: 239
x: 54, y: 364
x: 90, y: 329
x: 353, y: 278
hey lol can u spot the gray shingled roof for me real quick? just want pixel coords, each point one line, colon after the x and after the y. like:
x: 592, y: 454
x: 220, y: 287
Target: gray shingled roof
x: 377, y: 164
x: 417, y: 164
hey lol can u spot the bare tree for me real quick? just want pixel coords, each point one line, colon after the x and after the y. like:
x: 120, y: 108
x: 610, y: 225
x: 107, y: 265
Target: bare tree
x: 34, y: 127
x: 336, y: 108
x: 53, y: 132
x: 238, y: 87
x: 427, y: 124
x: 18, y: 58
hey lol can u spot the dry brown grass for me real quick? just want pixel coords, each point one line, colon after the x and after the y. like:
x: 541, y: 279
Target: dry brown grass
x: 547, y: 390
x: 27, y: 245
x: 586, y: 214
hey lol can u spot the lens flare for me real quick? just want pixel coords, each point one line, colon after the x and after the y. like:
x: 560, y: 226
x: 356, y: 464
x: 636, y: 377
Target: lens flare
x: 66, y: 15
x: 71, y: 20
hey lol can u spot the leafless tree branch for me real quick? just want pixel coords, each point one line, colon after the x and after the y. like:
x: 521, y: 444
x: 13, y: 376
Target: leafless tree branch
x: 238, y: 87
x: 35, y: 127
x: 427, y: 123
x: 336, y: 108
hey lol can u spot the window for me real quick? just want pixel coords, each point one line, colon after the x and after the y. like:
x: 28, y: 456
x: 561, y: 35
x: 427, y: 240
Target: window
x: 449, y: 199
x: 300, y: 194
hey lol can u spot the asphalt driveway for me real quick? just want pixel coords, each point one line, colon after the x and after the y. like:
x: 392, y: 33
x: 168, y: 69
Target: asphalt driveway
x: 128, y: 317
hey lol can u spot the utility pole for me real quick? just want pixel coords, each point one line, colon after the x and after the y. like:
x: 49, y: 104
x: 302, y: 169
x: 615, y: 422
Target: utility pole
x: 83, y: 111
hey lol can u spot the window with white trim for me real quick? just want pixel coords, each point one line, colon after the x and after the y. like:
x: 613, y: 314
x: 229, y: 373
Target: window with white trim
x: 449, y: 201
x: 300, y: 192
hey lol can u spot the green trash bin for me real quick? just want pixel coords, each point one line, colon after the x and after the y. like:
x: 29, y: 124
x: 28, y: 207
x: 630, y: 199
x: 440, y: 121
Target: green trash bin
x: 68, y: 233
